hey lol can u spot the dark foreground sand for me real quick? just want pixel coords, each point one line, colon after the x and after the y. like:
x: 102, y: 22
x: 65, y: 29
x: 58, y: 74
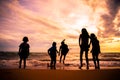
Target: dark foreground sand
x: 36, y: 74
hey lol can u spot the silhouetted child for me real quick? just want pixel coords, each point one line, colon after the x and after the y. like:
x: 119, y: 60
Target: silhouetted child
x: 95, y: 50
x: 63, y: 50
x: 23, y: 51
x: 84, y: 46
x: 52, y: 52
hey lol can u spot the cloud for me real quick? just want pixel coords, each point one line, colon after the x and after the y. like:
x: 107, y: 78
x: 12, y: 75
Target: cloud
x: 107, y: 12
x: 113, y: 7
x: 22, y: 22
x: 45, y: 21
x: 7, y: 44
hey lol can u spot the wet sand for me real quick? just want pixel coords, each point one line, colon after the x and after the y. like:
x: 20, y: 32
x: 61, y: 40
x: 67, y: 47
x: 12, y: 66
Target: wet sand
x: 38, y: 74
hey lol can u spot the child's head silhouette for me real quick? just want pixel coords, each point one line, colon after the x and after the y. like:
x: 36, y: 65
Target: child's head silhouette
x: 25, y: 39
x: 93, y: 35
x: 54, y: 44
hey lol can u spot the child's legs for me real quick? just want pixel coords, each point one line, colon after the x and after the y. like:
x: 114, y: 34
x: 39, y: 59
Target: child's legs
x: 97, y: 60
x: 81, y: 55
x: 51, y: 61
x: 64, y: 56
x: 86, y: 56
x: 97, y: 57
x: 94, y: 58
x: 60, y: 58
x: 54, y: 60
x: 24, y: 63
x: 20, y: 62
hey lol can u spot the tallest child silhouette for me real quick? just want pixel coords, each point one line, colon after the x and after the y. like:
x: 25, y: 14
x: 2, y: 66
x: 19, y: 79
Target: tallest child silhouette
x: 84, y: 46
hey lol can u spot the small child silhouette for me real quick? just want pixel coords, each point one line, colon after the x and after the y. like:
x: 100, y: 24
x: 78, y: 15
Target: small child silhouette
x: 23, y: 51
x: 52, y: 53
x: 63, y: 50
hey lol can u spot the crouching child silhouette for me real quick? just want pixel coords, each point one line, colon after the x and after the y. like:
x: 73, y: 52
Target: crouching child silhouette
x: 23, y: 51
x: 53, y: 54
x: 95, y: 50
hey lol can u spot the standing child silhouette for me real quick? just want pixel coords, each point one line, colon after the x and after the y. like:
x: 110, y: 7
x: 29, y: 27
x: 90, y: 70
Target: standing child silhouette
x: 95, y: 50
x: 52, y: 53
x: 23, y: 51
x: 84, y: 46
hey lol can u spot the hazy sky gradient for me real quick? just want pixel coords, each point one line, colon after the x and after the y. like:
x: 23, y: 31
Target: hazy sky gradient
x: 45, y: 21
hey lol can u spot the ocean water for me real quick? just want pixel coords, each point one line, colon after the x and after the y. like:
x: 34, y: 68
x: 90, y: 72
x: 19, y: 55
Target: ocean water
x: 10, y: 60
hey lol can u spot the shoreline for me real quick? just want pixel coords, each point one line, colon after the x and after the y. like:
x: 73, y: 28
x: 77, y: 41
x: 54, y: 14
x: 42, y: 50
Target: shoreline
x: 46, y: 74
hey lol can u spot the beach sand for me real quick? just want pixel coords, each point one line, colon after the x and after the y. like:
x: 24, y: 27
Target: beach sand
x: 38, y: 74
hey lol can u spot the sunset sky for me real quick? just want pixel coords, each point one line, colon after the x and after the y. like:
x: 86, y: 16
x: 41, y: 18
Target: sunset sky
x: 45, y: 21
